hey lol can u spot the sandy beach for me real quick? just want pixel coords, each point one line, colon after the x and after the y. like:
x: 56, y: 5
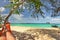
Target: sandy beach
x: 28, y: 33
x: 22, y: 29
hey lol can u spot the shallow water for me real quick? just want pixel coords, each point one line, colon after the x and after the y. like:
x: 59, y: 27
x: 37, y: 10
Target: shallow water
x: 37, y: 25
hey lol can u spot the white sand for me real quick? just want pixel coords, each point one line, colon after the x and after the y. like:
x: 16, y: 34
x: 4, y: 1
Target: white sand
x: 22, y: 29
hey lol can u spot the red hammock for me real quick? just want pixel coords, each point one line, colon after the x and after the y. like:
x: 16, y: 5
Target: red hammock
x: 7, y: 27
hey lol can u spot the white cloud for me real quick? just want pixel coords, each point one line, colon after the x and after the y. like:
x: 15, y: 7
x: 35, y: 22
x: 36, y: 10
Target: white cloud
x: 15, y: 18
x: 4, y: 14
x: 48, y: 17
x: 56, y: 19
x: 18, y: 17
x: 2, y: 9
x: 21, y: 15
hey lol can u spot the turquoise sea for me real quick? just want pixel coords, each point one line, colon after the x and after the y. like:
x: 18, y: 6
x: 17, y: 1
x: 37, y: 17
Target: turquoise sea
x: 35, y: 25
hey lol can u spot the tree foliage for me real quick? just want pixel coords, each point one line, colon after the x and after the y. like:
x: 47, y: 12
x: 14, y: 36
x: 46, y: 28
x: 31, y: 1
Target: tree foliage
x: 36, y: 4
x: 0, y: 19
x: 32, y: 4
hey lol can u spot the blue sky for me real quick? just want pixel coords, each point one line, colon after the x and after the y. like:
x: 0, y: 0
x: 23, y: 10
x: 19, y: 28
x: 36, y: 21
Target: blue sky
x: 25, y: 17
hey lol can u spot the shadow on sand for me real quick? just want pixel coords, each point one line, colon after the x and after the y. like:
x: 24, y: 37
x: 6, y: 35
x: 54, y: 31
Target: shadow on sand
x: 34, y: 33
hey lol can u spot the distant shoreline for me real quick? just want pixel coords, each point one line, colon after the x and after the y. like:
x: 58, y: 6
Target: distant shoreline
x: 22, y: 29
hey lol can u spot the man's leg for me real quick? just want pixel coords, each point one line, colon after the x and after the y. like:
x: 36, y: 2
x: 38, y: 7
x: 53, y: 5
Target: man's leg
x: 2, y: 37
x: 9, y: 36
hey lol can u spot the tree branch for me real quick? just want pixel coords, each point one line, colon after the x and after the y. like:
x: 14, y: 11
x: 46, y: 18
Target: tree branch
x: 11, y: 12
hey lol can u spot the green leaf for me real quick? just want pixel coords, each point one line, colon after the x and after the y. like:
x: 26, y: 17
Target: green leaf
x: 37, y: 4
x: 8, y: 6
x: 16, y: 12
x: 14, y: 1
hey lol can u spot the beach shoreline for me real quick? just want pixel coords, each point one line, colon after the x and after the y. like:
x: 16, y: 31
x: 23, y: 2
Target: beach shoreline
x: 22, y: 29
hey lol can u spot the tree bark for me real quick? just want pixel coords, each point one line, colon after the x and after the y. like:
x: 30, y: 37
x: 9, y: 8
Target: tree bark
x: 11, y: 12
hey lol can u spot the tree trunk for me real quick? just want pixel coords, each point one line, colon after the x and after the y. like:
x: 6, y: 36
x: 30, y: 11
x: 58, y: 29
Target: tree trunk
x: 11, y: 12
